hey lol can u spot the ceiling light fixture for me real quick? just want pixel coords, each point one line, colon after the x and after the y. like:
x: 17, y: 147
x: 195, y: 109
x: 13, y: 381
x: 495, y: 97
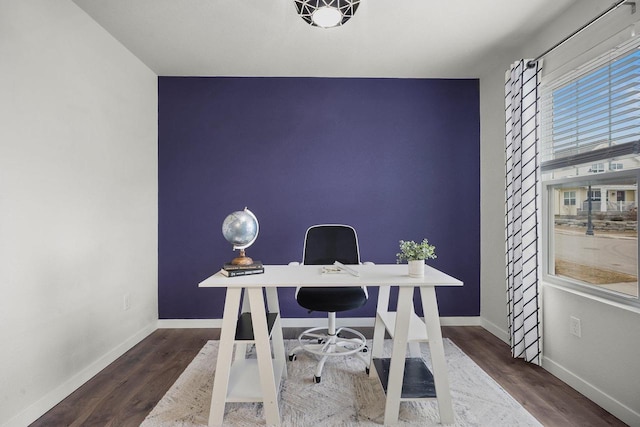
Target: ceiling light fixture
x: 326, y: 13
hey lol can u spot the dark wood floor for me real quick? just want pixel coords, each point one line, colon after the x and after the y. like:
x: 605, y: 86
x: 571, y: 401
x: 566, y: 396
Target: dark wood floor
x: 127, y: 390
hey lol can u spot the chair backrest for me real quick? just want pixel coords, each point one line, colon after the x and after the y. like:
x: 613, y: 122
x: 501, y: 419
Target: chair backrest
x: 327, y: 243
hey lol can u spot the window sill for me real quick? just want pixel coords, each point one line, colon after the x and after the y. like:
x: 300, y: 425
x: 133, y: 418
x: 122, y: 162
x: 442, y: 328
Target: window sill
x: 632, y: 306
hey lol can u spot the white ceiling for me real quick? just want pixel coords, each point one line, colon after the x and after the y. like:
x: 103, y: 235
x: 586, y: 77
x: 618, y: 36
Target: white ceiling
x: 386, y: 38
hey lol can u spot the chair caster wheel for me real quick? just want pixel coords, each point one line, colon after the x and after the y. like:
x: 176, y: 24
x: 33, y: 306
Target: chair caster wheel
x: 316, y: 379
x: 292, y: 357
x: 366, y: 370
x: 365, y: 349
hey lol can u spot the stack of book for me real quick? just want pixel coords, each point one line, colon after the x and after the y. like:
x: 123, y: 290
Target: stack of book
x: 231, y: 270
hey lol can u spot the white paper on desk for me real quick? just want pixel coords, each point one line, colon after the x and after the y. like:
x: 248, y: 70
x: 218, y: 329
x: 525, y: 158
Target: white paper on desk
x: 330, y: 269
x: 349, y: 270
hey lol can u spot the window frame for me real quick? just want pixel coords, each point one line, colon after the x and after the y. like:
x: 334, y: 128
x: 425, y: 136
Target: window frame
x: 552, y: 167
x: 548, y: 238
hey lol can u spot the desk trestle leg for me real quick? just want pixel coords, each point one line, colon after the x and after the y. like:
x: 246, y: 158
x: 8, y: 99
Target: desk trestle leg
x: 225, y: 352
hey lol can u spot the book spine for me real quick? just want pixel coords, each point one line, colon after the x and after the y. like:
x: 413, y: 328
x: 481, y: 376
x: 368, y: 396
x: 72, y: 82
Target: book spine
x: 242, y: 267
x: 234, y: 273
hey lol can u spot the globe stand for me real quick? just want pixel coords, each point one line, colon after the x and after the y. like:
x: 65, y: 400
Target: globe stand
x: 242, y: 259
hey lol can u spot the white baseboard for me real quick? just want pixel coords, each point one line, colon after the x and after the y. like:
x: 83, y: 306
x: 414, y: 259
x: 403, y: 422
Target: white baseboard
x: 309, y: 322
x: 51, y: 399
x: 495, y: 329
x: 461, y: 321
x: 623, y: 412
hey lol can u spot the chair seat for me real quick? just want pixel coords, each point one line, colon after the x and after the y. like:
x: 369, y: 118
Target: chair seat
x: 331, y: 300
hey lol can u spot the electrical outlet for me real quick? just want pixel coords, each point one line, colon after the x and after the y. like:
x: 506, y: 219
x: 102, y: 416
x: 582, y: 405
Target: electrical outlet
x: 575, y: 328
x: 126, y: 302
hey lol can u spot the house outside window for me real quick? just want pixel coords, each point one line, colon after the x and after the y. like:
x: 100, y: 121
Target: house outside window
x: 590, y: 119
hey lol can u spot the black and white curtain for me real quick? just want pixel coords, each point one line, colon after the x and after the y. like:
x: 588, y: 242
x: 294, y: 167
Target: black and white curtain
x: 522, y: 210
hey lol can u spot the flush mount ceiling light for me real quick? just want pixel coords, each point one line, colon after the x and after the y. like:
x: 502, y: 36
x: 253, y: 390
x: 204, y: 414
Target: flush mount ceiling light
x: 326, y: 13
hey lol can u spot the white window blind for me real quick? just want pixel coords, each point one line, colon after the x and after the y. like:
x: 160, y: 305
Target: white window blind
x: 593, y: 112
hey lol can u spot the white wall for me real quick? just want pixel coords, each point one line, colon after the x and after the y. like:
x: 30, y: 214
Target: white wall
x: 78, y: 203
x: 493, y: 293
x: 603, y: 364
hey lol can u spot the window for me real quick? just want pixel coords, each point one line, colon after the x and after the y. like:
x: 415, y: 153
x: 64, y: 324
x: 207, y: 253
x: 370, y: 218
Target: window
x: 590, y: 243
x: 569, y: 198
x: 590, y: 121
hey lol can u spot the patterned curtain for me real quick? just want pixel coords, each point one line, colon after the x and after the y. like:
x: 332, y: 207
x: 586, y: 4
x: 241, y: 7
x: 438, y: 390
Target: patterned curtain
x: 522, y: 203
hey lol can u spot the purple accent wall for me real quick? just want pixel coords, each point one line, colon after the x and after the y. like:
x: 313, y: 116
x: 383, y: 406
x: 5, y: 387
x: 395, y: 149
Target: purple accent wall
x: 395, y: 158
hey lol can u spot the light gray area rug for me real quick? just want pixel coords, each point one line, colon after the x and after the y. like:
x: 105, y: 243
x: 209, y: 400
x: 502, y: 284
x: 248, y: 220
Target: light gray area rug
x: 345, y: 397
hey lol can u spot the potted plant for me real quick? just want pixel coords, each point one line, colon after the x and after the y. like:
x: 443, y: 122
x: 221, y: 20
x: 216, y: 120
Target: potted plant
x: 415, y: 254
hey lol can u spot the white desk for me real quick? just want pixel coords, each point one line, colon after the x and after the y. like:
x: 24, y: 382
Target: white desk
x: 308, y: 275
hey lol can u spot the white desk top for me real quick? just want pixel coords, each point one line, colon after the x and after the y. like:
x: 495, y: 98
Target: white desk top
x: 311, y: 275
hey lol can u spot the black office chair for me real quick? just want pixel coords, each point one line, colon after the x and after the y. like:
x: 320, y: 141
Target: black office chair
x: 325, y: 244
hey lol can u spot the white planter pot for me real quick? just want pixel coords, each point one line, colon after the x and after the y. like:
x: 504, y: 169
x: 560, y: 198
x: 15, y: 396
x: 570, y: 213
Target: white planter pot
x: 416, y: 268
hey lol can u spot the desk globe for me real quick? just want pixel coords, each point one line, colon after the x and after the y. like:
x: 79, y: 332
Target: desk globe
x: 241, y: 228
